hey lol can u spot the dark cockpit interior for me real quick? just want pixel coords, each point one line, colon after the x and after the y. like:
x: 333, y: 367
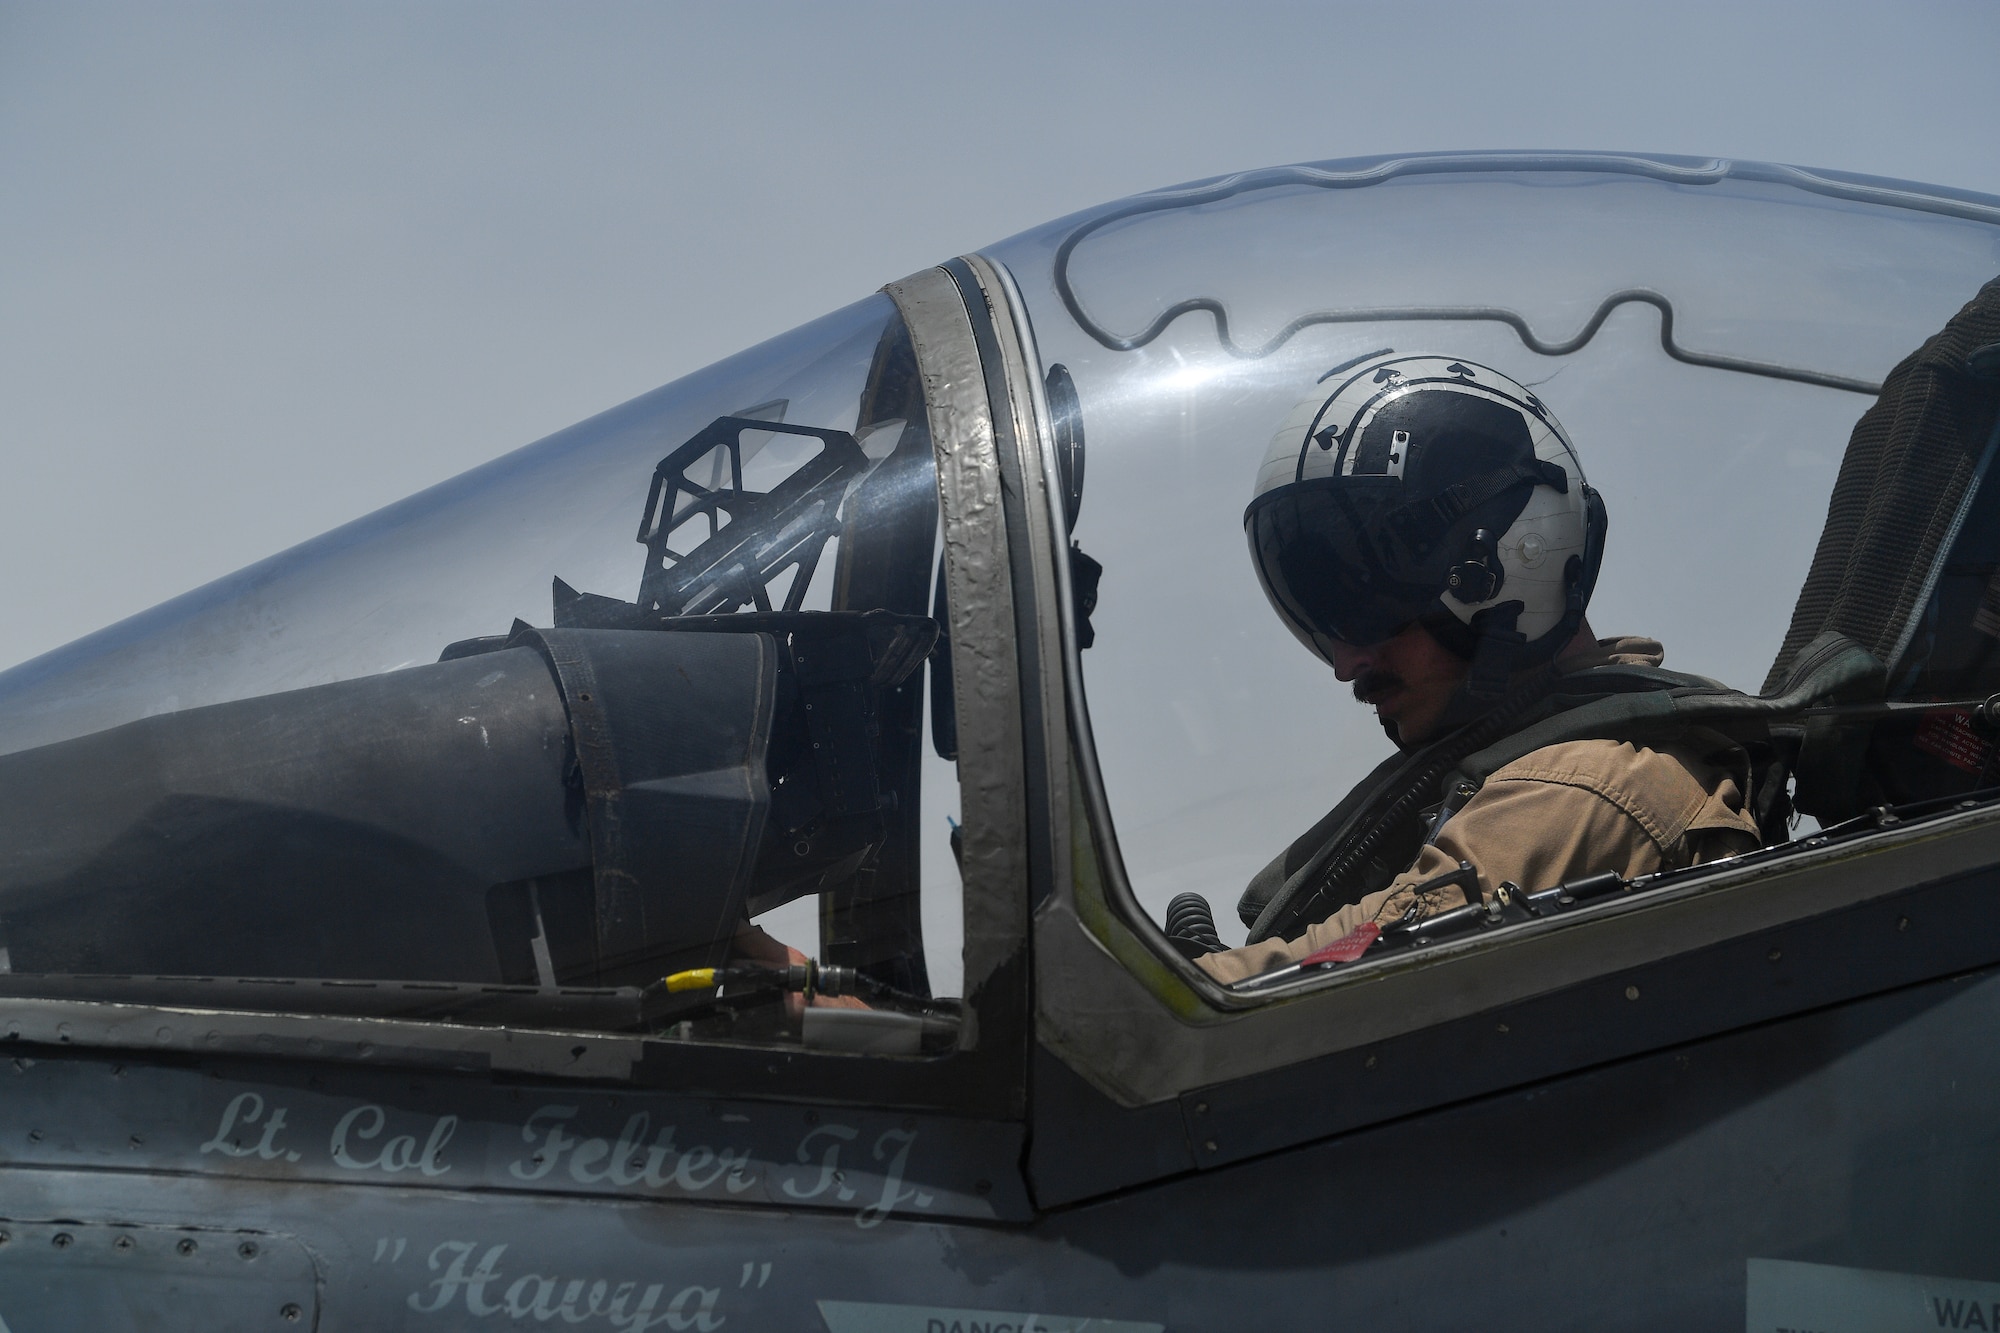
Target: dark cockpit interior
x: 571, y: 810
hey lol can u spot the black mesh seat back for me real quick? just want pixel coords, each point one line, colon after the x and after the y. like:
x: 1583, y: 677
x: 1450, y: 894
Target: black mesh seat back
x: 1901, y: 489
x: 1908, y: 563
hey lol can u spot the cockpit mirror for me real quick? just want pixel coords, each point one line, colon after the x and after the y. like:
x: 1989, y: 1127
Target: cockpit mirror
x: 1066, y: 434
x: 1066, y: 429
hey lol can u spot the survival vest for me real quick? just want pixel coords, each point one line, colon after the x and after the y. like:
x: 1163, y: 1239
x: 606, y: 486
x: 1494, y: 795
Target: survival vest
x: 1379, y: 828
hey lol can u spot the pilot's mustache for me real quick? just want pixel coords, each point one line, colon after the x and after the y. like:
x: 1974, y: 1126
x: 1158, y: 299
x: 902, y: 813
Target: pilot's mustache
x: 1375, y: 681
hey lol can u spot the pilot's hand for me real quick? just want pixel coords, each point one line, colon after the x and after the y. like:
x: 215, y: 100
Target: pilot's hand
x: 753, y: 945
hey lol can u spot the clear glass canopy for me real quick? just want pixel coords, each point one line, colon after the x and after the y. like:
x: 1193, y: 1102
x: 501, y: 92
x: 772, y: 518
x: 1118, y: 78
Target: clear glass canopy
x: 449, y: 742
x: 465, y: 558
x: 1707, y: 332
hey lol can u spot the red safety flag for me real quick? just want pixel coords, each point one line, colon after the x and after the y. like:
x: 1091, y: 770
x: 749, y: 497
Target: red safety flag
x: 1347, y: 948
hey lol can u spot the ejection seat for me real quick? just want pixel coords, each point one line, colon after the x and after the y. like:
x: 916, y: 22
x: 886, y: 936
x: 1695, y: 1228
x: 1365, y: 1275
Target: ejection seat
x: 1908, y: 566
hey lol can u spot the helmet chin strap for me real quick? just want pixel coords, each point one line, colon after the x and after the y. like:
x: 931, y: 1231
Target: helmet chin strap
x: 1499, y: 652
x: 1494, y: 647
x: 1501, y: 661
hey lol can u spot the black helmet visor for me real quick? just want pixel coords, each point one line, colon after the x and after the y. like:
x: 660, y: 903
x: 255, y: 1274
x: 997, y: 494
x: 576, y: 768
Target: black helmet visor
x: 1329, y: 566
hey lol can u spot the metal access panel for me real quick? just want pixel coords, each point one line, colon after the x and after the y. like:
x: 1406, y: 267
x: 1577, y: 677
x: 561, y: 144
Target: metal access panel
x: 108, y: 1277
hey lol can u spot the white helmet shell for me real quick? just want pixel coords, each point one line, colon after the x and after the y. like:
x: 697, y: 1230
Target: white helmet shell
x: 1426, y: 489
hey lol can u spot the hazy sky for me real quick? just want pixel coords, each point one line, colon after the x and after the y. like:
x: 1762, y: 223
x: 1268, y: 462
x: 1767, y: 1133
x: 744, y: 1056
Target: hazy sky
x: 264, y: 268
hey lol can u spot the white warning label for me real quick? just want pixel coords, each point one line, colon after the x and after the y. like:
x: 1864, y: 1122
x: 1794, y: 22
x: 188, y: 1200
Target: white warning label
x: 1987, y: 618
x: 1787, y: 1297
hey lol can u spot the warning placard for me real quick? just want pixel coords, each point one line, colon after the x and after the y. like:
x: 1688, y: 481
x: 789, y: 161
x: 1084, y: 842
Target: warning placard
x: 1788, y: 1297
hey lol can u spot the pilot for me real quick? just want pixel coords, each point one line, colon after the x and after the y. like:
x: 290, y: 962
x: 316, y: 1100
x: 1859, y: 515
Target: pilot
x: 1424, y: 527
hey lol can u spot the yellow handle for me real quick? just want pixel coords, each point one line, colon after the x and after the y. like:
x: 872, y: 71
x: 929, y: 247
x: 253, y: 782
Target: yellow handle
x: 700, y: 978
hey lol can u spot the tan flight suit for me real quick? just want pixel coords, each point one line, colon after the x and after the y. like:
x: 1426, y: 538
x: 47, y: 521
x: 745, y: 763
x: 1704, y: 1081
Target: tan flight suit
x: 1559, y: 813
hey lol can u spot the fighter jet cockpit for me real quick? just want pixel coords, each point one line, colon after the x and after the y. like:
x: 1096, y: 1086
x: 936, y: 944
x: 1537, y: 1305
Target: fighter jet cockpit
x: 1754, y: 408
x: 539, y: 738
x: 999, y: 619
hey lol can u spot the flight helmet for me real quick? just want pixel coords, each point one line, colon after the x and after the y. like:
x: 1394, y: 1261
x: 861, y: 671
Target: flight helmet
x: 1434, y: 491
